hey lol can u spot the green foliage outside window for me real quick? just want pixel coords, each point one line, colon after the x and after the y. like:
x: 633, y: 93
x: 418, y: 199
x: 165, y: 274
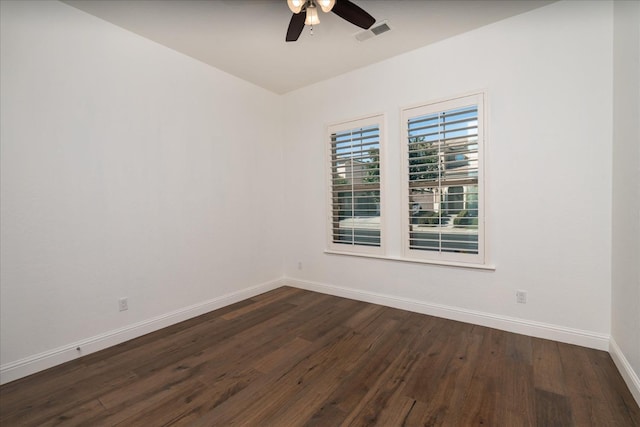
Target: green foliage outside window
x: 424, y: 163
x: 372, y: 166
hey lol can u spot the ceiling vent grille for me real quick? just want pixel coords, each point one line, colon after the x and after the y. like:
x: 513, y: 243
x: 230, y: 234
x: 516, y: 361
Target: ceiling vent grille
x: 376, y: 30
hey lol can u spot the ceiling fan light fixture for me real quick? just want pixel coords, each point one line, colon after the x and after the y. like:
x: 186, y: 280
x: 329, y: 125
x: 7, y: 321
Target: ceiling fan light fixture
x: 326, y: 5
x: 312, y: 15
x: 308, y: 15
x: 295, y: 5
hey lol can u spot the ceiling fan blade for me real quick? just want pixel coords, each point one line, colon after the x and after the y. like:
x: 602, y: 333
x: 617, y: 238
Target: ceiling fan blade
x: 353, y: 13
x: 296, y: 25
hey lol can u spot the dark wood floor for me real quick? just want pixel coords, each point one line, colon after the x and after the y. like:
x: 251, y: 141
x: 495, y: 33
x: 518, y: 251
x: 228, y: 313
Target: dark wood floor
x: 292, y: 357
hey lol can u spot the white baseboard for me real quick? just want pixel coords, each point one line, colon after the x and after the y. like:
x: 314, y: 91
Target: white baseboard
x: 505, y: 323
x: 32, y: 364
x: 628, y: 374
x: 39, y: 362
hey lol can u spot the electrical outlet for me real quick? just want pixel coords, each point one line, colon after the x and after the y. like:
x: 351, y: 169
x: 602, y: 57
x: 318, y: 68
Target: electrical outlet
x: 299, y: 265
x: 123, y: 304
x: 521, y: 297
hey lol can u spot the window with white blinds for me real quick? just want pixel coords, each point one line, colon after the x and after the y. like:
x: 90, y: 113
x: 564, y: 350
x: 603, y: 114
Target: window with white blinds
x: 443, y: 190
x: 355, y: 191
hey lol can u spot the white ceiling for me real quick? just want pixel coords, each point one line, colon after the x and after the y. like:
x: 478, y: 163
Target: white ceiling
x: 246, y: 37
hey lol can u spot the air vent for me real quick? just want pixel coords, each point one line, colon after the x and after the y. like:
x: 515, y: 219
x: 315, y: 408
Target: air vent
x: 376, y: 30
x: 379, y: 29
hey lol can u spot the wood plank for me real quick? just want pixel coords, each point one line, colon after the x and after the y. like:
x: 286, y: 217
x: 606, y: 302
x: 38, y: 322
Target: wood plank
x: 436, y: 354
x: 552, y: 409
x: 442, y: 400
x: 378, y: 400
x: 392, y: 335
x: 307, y: 401
x: 173, y: 407
x: 482, y: 401
x: 241, y: 406
x: 78, y: 415
x: 547, y: 367
x: 396, y: 410
x: 260, y: 301
x: 584, y: 391
x: 73, y: 392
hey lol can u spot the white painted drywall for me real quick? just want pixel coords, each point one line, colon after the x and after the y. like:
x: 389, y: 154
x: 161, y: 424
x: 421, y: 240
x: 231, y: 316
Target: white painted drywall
x: 547, y: 75
x: 625, y: 314
x: 128, y: 170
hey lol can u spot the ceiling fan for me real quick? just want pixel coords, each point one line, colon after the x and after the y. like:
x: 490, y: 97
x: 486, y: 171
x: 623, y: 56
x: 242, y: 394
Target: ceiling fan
x: 305, y: 12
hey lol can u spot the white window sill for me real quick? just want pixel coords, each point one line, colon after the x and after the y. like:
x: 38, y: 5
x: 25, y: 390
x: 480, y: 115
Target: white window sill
x: 489, y: 267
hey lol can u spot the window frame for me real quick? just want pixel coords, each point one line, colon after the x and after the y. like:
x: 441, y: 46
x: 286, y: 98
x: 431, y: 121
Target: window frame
x: 352, y: 124
x: 407, y: 113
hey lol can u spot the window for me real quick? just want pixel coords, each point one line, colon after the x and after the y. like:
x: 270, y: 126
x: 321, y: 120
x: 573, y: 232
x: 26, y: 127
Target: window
x: 443, y: 180
x: 355, y: 191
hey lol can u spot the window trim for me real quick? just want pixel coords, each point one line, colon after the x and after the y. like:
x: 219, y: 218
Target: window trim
x: 433, y: 257
x: 471, y: 266
x: 374, y: 119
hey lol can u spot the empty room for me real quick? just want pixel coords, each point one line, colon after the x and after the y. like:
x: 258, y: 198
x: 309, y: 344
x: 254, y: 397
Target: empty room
x: 318, y: 212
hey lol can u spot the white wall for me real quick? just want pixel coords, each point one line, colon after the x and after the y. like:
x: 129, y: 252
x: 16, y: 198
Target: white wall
x: 625, y: 320
x: 547, y: 75
x: 127, y: 170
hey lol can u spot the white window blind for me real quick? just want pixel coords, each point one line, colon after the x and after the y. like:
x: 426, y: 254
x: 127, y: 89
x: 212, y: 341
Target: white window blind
x: 443, y: 187
x: 355, y: 193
